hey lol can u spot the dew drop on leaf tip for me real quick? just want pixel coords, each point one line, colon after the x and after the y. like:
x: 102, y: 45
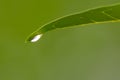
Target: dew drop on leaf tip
x: 36, y: 38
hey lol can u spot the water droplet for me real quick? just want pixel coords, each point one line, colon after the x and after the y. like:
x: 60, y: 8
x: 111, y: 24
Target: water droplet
x: 36, y: 38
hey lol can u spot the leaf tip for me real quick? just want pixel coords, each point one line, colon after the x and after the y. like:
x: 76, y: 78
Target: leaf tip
x: 33, y: 38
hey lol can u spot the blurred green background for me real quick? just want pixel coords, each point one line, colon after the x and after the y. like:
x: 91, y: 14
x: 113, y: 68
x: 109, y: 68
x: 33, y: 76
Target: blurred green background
x: 83, y: 53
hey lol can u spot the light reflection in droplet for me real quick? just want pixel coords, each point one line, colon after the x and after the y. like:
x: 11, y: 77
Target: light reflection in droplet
x: 36, y: 38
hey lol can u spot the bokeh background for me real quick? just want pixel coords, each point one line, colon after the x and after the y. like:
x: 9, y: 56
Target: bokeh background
x: 90, y: 52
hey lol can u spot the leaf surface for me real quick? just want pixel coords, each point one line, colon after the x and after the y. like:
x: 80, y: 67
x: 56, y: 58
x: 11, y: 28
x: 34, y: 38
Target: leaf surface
x: 92, y: 16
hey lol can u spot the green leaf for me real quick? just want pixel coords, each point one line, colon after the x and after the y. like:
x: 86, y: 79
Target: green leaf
x: 93, y: 16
